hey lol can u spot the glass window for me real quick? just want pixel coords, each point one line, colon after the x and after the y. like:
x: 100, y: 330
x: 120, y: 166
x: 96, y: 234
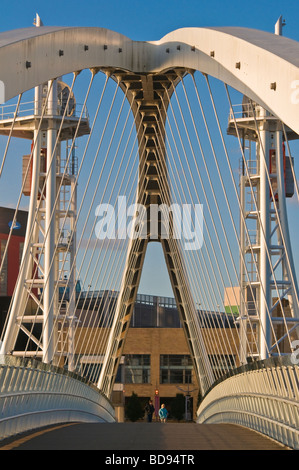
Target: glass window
x: 91, y: 372
x: 175, y: 369
x: 119, y: 374
x: 155, y: 312
x: 137, y: 369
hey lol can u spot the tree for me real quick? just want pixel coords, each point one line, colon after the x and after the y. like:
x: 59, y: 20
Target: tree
x: 134, y: 409
x: 178, y: 407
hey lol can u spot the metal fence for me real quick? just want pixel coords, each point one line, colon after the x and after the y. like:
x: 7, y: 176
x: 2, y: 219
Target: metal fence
x: 263, y: 396
x: 33, y: 395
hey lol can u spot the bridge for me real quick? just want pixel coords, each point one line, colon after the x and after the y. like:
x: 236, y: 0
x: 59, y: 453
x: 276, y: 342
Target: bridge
x: 186, y: 143
x: 177, y: 443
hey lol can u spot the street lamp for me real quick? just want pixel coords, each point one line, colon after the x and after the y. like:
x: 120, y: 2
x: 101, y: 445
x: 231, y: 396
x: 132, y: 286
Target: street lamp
x: 187, y: 398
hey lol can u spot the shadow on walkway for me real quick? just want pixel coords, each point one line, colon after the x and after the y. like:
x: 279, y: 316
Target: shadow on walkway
x: 143, y: 436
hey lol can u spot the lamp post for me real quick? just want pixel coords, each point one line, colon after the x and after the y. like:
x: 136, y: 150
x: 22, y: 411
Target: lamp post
x: 157, y: 402
x: 187, y: 398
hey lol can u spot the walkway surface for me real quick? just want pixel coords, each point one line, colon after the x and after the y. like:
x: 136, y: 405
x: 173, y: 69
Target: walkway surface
x: 142, y: 436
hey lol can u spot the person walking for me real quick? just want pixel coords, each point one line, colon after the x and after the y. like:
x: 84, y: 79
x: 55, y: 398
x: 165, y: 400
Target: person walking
x: 163, y: 413
x: 149, y: 409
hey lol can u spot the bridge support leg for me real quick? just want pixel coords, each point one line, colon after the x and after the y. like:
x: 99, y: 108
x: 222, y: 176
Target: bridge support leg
x: 20, y: 295
x: 123, y: 313
x: 50, y: 231
x: 265, y: 294
x: 154, y: 190
x: 289, y: 271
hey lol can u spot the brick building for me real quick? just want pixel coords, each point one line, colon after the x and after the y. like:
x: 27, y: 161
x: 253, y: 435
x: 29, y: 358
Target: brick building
x: 156, y: 362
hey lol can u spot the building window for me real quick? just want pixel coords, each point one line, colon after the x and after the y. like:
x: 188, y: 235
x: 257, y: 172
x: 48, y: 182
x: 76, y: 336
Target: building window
x: 155, y: 312
x: 89, y: 366
x: 137, y: 369
x: 175, y: 369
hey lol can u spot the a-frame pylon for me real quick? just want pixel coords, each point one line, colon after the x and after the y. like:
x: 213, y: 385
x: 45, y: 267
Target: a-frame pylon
x: 149, y: 97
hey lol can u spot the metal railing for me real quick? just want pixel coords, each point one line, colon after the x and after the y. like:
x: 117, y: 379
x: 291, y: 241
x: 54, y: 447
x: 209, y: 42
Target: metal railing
x: 263, y: 396
x: 245, y: 110
x: 34, y: 394
x: 7, y: 111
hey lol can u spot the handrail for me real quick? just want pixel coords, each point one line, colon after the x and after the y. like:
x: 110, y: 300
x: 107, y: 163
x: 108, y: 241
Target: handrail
x: 7, y: 360
x: 34, y: 394
x: 27, y: 108
x: 262, y: 395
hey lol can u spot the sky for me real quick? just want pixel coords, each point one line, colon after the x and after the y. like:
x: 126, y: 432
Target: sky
x: 149, y: 21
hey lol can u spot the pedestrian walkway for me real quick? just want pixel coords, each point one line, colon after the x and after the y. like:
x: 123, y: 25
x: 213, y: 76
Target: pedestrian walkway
x: 143, y: 436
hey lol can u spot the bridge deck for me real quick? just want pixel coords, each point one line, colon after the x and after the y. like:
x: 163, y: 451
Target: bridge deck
x: 143, y: 436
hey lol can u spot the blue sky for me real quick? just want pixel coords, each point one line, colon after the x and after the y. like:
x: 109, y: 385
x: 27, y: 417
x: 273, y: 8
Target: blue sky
x: 148, y: 21
x: 151, y: 20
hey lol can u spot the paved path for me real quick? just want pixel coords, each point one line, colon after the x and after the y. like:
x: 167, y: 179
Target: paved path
x: 143, y: 436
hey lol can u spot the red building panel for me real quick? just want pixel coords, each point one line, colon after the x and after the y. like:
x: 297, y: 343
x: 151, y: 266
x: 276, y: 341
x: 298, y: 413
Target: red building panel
x: 10, y: 269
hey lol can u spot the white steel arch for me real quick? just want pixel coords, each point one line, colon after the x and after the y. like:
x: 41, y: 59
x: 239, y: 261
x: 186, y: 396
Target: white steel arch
x: 261, y: 65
